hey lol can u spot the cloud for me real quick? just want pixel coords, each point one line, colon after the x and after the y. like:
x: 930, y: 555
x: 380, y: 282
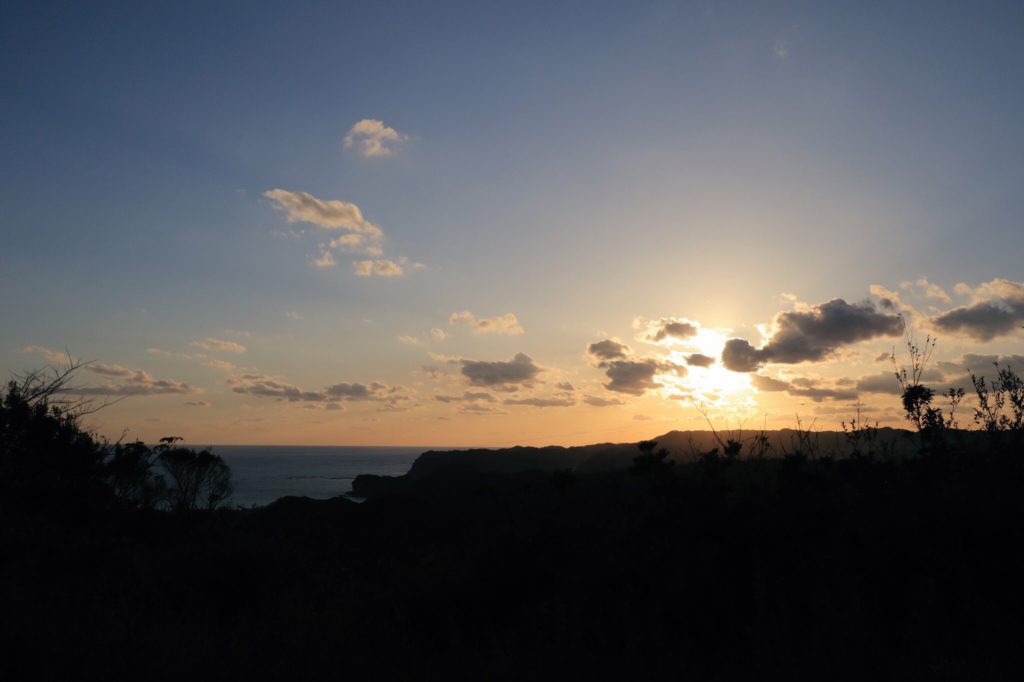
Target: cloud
x: 608, y: 350
x: 767, y: 384
x: 927, y: 289
x: 434, y: 335
x: 699, y: 360
x: 410, y: 340
x: 886, y: 382
x: 801, y: 387
x: 467, y: 397
x: 292, y: 315
x: 634, y: 377
x: 270, y: 387
x: 474, y: 408
x: 333, y: 214
x: 670, y: 328
x: 541, y: 402
x: 597, y: 401
x: 506, y: 324
x: 198, y: 403
x: 51, y: 356
x: 267, y: 387
x: 210, y: 344
x: 565, y: 386
x: 356, y: 243
x: 373, y: 139
x: 997, y: 309
x: 628, y: 374
x: 324, y: 260
x: 134, y: 382
x: 812, y: 333
x: 520, y: 369
x: 109, y: 370
x: 379, y: 268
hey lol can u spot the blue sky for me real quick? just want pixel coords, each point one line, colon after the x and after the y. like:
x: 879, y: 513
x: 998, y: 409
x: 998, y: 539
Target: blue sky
x: 578, y: 165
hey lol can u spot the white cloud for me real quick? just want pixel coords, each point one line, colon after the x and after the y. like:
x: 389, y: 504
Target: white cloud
x: 506, y: 324
x: 373, y: 139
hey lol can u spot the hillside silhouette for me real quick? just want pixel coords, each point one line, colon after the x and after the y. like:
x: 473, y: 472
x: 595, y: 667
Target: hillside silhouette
x: 883, y: 554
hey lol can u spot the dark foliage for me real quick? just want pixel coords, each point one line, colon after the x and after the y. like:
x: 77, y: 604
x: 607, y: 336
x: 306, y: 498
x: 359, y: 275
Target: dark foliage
x: 806, y: 565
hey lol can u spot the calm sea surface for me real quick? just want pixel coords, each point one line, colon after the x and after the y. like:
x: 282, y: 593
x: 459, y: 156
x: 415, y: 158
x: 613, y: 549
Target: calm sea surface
x: 263, y: 473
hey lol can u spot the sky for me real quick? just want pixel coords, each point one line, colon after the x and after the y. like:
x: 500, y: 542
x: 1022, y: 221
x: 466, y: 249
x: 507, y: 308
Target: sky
x: 489, y: 223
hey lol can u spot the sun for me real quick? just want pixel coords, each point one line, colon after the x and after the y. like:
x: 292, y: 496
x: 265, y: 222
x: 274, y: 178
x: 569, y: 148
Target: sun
x: 711, y: 385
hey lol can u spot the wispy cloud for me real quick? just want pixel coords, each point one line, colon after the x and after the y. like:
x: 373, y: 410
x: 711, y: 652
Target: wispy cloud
x: 377, y: 268
x: 211, y: 344
x: 506, y: 324
x: 333, y: 214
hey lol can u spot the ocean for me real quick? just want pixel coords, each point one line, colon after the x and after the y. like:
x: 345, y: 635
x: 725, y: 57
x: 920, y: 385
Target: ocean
x: 263, y: 473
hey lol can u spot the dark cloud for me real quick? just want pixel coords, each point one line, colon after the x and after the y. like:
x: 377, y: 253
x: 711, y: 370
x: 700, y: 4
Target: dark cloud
x: 813, y: 334
x: 768, y: 384
x: 608, y: 350
x: 565, y: 386
x: 802, y: 387
x: 699, y: 360
x: 597, y: 401
x: 475, y: 408
x: 541, y: 402
x: 467, y: 397
x: 634, y: 377
x: 520, y: 369
x: 886, y: 382
x: 671, y: 328
x: 134, y: 382
x: 982, y: 321
x: 268, y: 387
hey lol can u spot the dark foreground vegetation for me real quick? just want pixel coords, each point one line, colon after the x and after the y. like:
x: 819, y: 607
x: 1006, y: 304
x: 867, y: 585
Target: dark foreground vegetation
x: 725, y: 562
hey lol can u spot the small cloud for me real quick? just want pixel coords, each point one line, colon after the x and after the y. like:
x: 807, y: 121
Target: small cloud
x: 410, y: 340
x: 608, y: 350
x: 324, y: 260
x: 292, y: 315
x: 506, y: 324
x: 198, y: 403
x: 379, y: 268
x: 699, y: 360
x: 597, y: 401
x: 51, y: 356
x: 520, y: 369
x: 333, y: 214
x: 565, y: 386
x: 372, y: 139
x: 438, y: 334
x: 132, y: 382
x: 210, y: 344
x: 540, y: 402
x: 670, y: 328
x: 927, y: 289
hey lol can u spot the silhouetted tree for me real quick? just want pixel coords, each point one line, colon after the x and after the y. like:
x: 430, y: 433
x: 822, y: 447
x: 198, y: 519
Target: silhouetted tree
x: 196, y: 480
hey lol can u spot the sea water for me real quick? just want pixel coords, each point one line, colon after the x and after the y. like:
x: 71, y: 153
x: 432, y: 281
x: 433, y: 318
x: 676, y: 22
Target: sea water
x: 263, y: 473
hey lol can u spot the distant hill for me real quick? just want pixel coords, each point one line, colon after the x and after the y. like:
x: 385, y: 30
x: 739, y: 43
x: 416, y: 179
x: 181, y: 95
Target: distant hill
x: 451, y: 466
